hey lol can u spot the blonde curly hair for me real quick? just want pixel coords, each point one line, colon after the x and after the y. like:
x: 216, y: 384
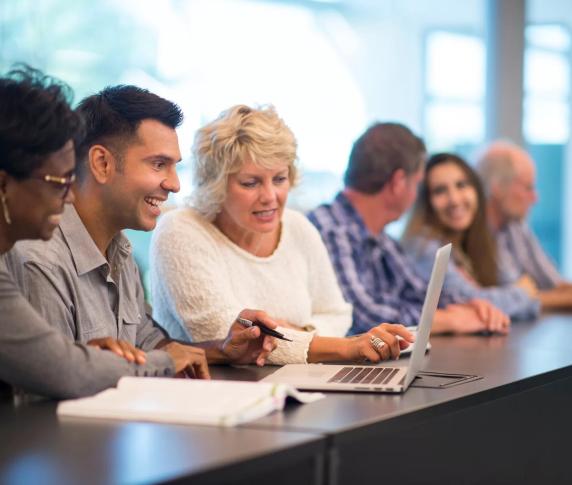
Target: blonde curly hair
x: 221, y: 148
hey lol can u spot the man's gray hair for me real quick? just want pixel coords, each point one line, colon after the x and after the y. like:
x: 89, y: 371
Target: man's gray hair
x: 495, y: 163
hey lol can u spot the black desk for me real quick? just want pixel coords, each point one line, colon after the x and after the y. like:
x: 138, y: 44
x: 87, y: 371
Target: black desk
x: 37, y: 449
x: 512, y: 426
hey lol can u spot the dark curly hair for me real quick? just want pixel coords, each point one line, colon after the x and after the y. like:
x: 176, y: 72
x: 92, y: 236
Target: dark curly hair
x: 36, y: 119
x: 113, y: 116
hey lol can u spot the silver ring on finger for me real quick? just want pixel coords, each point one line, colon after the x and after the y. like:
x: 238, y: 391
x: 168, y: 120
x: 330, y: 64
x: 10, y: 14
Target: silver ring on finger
x: 377, y: 343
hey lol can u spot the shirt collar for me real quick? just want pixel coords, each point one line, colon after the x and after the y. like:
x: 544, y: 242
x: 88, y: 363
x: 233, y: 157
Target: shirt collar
x: 84, y: 252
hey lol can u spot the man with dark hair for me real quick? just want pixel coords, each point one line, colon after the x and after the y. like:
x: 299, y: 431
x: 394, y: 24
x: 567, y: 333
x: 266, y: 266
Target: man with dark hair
x: 38, y: 129
x: 385, y: 166
x: 85, y: 279
x: 378, y: 153
x: 114, y: 115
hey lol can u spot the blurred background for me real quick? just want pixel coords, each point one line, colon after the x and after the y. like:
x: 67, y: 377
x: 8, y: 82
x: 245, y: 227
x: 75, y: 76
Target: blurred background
x: 457, y: 73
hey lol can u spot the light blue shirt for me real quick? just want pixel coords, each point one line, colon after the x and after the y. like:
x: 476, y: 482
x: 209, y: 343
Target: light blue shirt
x: 520, y: 253
x: 512, y: 300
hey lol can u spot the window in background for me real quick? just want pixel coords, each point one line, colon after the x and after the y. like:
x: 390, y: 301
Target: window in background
x: 290, y: 55
x: 547, y: 84
x: 207, y: 56
x: 454, y: 90
x: 546, y: 126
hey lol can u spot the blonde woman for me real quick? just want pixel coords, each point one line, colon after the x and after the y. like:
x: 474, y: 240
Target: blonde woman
x: 237, y: 244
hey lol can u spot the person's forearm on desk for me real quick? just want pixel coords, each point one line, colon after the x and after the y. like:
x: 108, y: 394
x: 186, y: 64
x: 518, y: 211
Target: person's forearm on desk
x: 465, y: 318
x: 359, y: 347
x: 559, y: 298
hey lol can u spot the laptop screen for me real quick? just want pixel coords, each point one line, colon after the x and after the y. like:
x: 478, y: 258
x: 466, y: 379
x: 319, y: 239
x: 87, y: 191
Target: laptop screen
x: 428, y: 311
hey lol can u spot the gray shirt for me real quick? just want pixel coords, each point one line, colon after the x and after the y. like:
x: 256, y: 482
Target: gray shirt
x: 39, y: 359
x: 82, y: 293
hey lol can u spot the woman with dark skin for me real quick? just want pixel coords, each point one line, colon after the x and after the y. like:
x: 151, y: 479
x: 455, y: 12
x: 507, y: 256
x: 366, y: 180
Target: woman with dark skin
x: 37, y: 163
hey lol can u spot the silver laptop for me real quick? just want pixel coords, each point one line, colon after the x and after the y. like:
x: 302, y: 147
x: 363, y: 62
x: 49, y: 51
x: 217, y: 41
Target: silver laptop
x: 382, y: 377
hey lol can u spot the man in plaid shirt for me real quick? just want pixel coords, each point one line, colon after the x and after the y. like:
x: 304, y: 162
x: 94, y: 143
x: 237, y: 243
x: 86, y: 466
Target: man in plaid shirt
x: 376, y: 276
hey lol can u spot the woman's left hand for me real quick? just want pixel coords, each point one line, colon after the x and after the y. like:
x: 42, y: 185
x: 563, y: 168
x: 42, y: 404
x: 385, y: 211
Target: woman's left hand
x: 495, y: 320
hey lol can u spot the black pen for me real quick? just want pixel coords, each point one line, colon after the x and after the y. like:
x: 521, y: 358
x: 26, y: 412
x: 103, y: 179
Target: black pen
x: 263, y: 328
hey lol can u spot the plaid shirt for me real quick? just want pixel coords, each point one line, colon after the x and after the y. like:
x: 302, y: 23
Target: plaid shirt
x: 375, y: 274
x: 519, y: 253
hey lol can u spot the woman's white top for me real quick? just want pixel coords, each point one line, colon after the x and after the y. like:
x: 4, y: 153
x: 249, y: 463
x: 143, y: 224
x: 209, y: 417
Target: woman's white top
x: 201, y: 280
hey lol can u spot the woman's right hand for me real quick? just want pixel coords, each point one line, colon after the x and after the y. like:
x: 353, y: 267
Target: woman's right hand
x: 189, y: 361
x: 360, y: 347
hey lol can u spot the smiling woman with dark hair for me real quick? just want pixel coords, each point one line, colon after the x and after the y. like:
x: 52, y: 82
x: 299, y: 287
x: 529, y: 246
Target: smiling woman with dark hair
x: 38, y: 130
x: 450, y: 207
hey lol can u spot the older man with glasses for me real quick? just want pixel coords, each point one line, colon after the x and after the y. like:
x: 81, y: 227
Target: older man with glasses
x: 509, y: 178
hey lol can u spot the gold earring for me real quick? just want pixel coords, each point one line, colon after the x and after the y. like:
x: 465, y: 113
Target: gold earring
x: 5, y: 210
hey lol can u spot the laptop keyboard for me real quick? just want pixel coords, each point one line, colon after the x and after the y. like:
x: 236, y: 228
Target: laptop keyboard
x: 364, y: 375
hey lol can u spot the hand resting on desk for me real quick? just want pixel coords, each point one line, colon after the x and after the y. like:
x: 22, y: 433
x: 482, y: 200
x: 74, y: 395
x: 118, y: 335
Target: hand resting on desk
x: 121, y: 348
x: 472, y: 317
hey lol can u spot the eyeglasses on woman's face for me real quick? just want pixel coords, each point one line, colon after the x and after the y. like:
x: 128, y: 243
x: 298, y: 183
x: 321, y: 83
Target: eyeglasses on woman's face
x: 63, y: 184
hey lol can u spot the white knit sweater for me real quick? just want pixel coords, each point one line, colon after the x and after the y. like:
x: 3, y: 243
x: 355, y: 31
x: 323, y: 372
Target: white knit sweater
x: 201, y: 280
